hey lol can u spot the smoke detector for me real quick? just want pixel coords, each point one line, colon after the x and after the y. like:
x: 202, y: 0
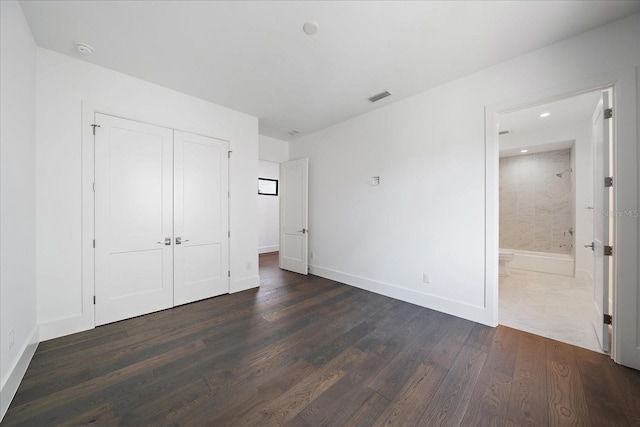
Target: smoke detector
x: 310, y: 28
x: 84, y: 49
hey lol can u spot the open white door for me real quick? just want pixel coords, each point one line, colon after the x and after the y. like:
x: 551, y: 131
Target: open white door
x: 133, y: 219
x: 293, y: 215
x: 201, y: 221
x: 601, y: 222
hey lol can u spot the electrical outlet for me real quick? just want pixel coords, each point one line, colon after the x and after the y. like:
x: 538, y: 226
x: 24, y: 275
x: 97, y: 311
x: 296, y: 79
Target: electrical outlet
x: 12, y: 338
x: 311, y: 255
x: 425, y: 278
x: 248, y: 266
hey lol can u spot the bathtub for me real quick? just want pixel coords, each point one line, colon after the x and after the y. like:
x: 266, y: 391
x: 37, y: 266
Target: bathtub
x: 544, y: 262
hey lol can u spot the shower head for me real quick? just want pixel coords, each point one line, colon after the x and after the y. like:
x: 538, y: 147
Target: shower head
x: 560, y: 175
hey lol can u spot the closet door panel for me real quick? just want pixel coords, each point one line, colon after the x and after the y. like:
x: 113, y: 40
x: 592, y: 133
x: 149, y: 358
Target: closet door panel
x: 201, y: 218
x: 133, y: 198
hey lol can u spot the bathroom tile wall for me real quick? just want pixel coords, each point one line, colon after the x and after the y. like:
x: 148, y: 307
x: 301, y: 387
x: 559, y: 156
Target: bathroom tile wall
x: 535, y: 205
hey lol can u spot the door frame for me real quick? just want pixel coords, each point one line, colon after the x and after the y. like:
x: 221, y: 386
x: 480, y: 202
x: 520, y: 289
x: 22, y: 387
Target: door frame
x: 86, y: 319
x: 624, y: 349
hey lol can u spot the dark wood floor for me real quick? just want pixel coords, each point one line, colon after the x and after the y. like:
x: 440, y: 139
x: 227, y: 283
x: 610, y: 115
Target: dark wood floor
x: 306, y: 351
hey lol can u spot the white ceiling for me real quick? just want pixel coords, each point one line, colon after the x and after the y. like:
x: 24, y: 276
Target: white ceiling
x: 252, y: 56
x: 527, y: 130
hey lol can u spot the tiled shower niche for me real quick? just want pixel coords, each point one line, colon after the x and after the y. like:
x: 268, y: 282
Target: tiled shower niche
x: 536, y: 206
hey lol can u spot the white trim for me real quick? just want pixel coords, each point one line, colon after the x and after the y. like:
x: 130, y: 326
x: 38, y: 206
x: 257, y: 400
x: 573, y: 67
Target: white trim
x: 244, y: 284
x: 625, y: 350
x: 16, y: 372
x: 474, y: 313
x: 267, y: 249
x: 62, y: 327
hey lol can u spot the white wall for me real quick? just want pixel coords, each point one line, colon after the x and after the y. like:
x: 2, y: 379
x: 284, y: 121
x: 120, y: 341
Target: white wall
x: 63, y: 85
x: 269, y: 211
x: 428, y: 214
x: 273, y: 150
x: 17, y: 199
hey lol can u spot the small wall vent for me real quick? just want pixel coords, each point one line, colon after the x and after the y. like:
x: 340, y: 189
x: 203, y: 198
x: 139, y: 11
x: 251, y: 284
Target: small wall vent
x: 379, y: 96
x: 293, y: 132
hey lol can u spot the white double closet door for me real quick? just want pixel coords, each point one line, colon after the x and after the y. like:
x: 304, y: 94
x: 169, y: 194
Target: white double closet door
x: 161, y: 218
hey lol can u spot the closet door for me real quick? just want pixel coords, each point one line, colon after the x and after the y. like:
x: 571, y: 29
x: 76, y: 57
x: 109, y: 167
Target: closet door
x: 201, y: 217
x: 133, y: 219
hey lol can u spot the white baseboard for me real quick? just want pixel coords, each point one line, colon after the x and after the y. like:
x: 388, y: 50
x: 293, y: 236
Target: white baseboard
x: 267, y: 249
x: 17, y: 371
x: 63, y: 327
x: 474, y: 313
x: 244, y: 284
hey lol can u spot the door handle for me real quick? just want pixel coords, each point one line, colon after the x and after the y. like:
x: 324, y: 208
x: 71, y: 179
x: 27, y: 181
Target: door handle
x: 590, y: 246
x: 180, y: 241
x: 303, y: 231
x: 167, y: 241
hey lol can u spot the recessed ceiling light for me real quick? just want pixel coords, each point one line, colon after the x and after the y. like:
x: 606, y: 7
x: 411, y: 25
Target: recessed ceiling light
x: 524, y: 151
x: 545, y: 114
x: 310, y: 28
x: 84, y: 49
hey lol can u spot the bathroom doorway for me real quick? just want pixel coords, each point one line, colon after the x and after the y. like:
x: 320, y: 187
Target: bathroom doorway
x: 546, y: 220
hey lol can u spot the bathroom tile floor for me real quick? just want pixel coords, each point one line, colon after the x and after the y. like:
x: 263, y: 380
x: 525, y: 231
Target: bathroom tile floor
x: 553, y: 306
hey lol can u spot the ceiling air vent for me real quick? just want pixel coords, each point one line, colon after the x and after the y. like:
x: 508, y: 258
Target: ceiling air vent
x: 379, y: 96
x: 293, y: 132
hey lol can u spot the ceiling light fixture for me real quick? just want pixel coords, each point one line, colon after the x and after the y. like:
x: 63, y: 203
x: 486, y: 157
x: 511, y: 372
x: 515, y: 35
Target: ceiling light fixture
x: 545, y: 115
x: 310, y: 28
x: 84, y: 49
x: 524, y: 151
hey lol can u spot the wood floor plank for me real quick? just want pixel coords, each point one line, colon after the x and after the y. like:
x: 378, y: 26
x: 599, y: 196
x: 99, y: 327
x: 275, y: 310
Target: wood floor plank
x: 341, y: 397
x: 369, y: 412
x: 97, y: 384
x: 450, y: 404
x: 527, y: 401
x: 567, y: 404
x: 308, y: 351
x: 607, y: 403
x: 290, y: 403
x: 416, y: 391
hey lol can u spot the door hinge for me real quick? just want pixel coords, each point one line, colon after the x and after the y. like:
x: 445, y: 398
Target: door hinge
x: 94, y: 300
x: 229, y: 273
x: 608, y: 113
x: 94, y: 187
x: 94, y: 127
x: 608, y: 181
x: 228, y: 194
x: 94, y: 243
x: 608, y: 319
x: 229, y: 154
x: 228, y: 234
x: 608, y: 250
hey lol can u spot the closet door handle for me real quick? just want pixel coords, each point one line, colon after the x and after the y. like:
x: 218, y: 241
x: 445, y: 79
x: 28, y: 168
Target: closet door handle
x: 167, y: 241
x: 180, y: 241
